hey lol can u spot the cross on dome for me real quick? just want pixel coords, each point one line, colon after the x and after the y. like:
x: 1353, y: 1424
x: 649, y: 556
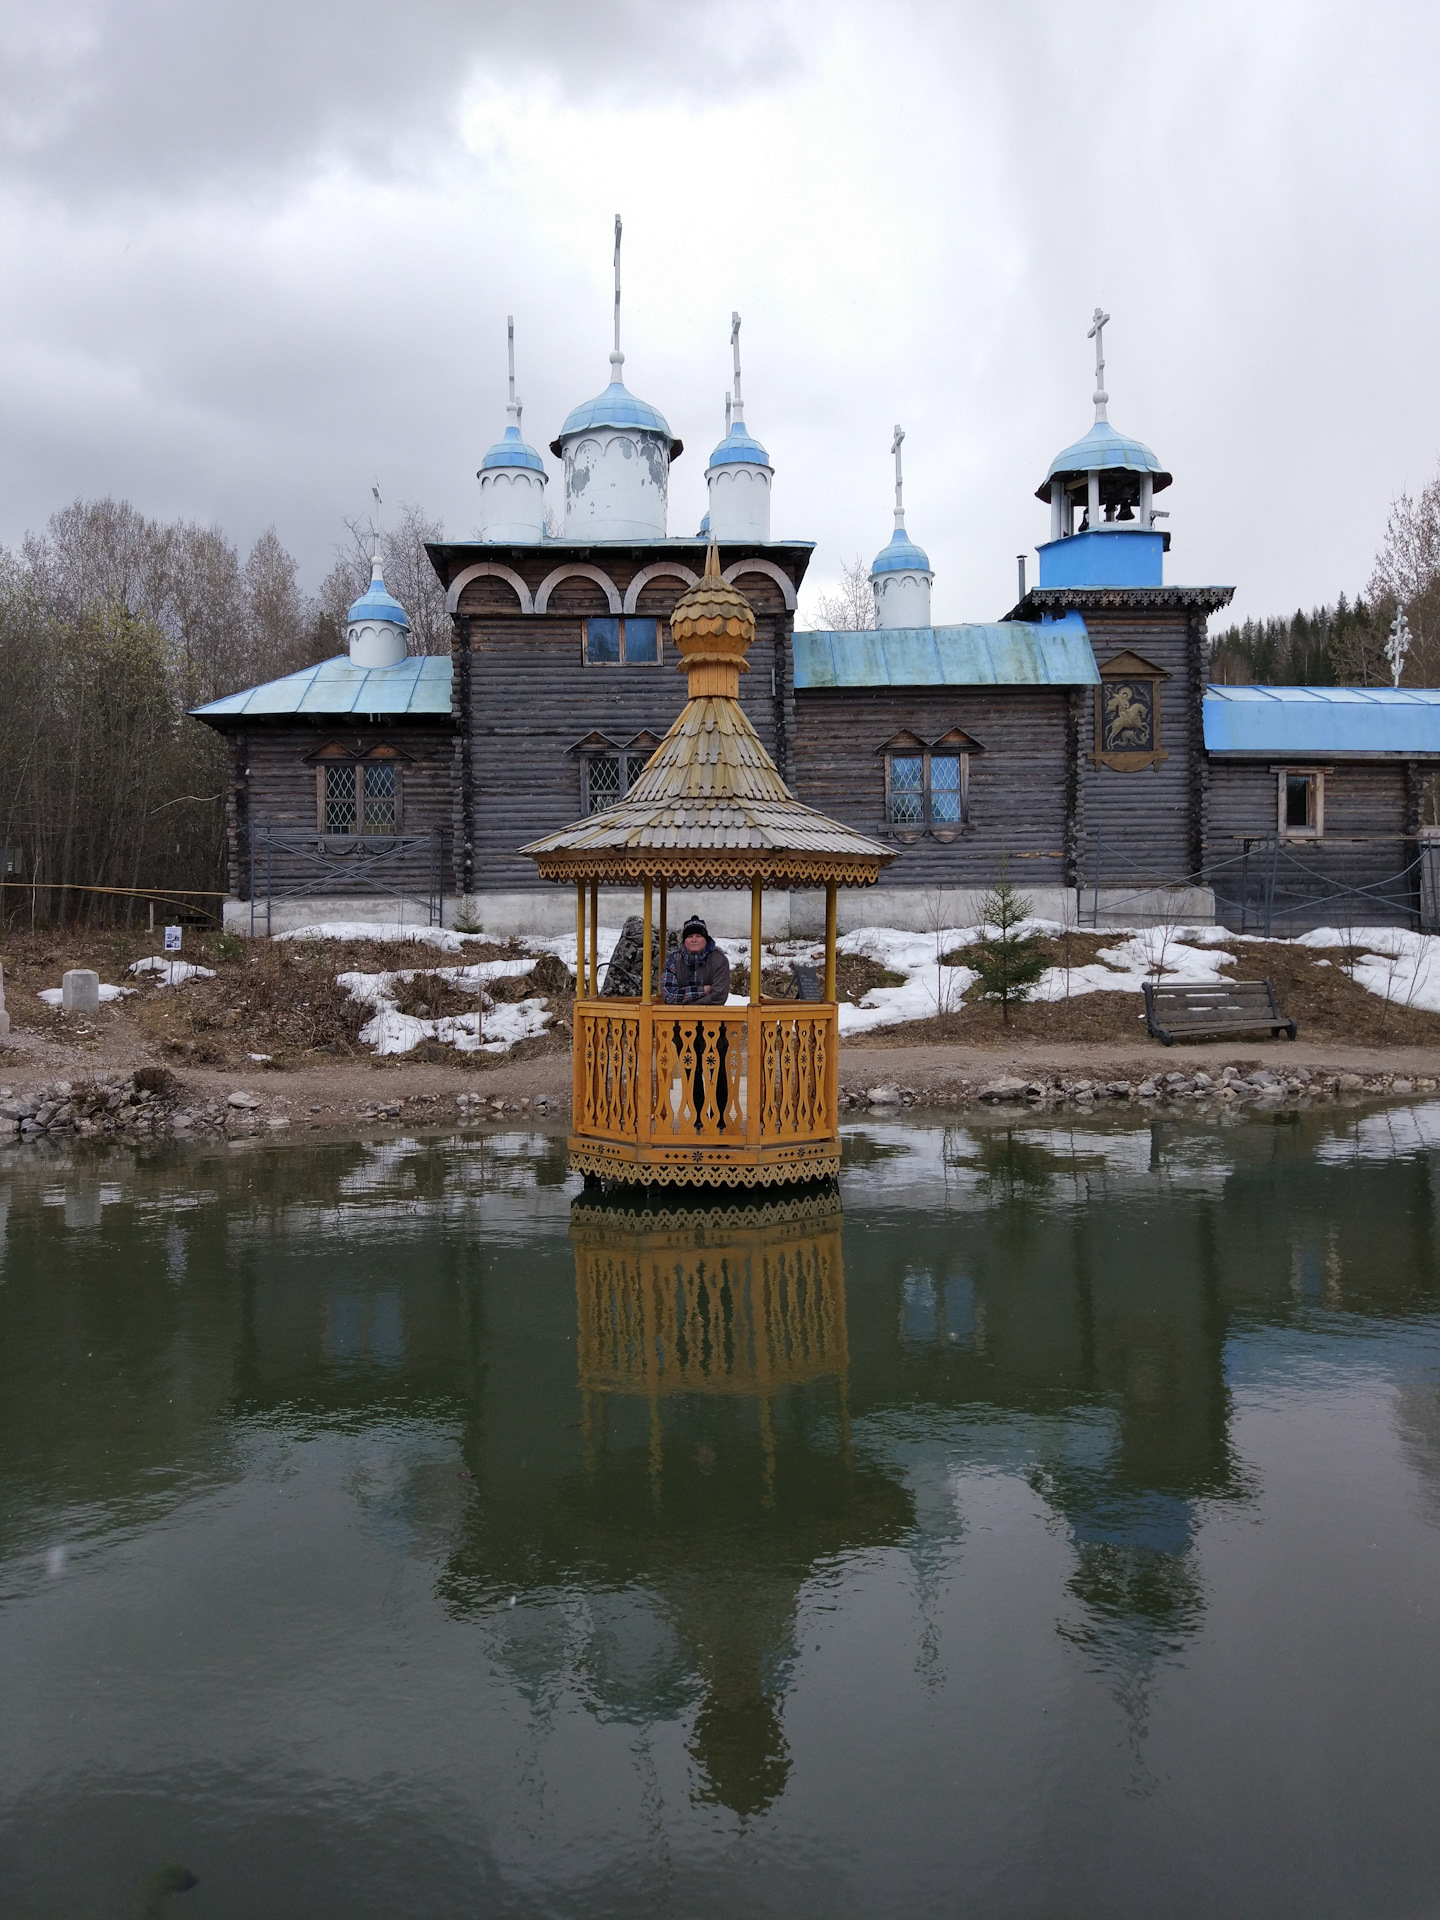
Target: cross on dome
x: 1097, y: 334
x: 895, y: 446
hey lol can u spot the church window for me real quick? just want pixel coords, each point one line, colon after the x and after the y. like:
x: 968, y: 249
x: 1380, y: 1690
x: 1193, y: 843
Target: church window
x: 635, y: 641
x: 927, y: 785
x: 342, y: 808
x: 359, y: 797
x: 1302, y: 803
x: 609, y: 777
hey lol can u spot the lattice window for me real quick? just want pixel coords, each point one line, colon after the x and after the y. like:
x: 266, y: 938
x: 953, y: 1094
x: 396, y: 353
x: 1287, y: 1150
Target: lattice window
x: 342, y: 810
x: 927, y: 789
x: 382, y: 798
x: 907, y: 789
x: 609, y: 777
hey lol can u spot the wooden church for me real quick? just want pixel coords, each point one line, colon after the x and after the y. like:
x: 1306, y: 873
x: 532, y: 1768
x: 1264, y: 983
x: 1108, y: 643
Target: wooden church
x: 1073, y: 742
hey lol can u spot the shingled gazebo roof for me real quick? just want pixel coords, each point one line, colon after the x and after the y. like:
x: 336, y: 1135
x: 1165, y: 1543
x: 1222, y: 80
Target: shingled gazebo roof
x: 710, y: 808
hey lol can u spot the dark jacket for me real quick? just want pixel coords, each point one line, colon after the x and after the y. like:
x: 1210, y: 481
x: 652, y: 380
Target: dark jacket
x: 696, y: 979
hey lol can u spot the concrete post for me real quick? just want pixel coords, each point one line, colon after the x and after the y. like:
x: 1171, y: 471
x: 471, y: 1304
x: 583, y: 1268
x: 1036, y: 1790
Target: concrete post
x: 80, y: 991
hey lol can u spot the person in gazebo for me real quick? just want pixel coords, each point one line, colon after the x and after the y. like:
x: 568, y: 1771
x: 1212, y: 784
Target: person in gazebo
x: 697, y: 974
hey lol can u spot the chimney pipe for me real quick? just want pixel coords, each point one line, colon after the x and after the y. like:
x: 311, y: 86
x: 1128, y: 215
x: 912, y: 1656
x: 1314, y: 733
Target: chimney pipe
x: 1020, y: 565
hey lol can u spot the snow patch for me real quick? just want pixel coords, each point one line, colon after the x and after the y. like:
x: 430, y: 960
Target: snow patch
x: 171, y: 973
x: 55, y: 996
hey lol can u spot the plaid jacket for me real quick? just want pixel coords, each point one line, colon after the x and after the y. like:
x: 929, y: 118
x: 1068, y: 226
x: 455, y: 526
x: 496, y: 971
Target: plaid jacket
x: 700, y: 979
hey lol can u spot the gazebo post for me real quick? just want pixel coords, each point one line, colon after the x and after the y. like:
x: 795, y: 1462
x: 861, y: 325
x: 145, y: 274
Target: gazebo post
x: 646, y: 994
x: 594, y: 938
x: 755, y: 886
x: 830, y: 920
x: 580, y: 939
x: 664, y: 941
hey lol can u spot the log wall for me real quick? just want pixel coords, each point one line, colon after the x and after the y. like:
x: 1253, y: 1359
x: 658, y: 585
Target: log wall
x: 1018, y: 784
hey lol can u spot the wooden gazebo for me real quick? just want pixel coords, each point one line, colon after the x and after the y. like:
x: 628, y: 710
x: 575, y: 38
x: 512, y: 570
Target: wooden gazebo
x: 710, y: 1096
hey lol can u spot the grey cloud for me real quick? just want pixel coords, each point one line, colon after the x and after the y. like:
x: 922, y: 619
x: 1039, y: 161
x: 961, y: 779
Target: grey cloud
x: 172, y: 98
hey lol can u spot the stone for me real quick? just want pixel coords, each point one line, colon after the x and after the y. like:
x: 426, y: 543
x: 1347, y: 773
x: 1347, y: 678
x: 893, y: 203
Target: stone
x: 998, y: 1090
x: 1349, y: 1082
x: 1404, y: 1086
x: 243, y: 1101
x: 622, y: 975
x: 1149, y: 1090
x: 886, y: 1096
x: 80, y: 991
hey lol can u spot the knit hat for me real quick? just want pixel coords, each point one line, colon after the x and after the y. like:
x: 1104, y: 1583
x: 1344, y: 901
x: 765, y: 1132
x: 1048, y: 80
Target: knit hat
x: 694, y: 925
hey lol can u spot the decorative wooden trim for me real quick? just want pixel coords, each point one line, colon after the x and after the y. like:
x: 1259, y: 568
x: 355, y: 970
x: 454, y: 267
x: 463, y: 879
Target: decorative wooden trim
x: 678, y: 867
x: 577, y: 570
x: 488, y: 570
x: 607, y: 1162
x: 659, y: 569
x: 778, y: 574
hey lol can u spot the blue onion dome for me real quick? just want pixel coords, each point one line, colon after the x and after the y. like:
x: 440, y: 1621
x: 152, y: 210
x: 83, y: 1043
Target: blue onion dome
x: 704, y: 533
x: 900, y: 556
x: 1103, y: 449
x: 616, y: 407
x: 377, y: 603
x: 512, y: 451
x: 739, y: 448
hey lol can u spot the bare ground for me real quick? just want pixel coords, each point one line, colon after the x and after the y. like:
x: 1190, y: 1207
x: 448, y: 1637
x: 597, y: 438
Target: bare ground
x: 281, y: 1000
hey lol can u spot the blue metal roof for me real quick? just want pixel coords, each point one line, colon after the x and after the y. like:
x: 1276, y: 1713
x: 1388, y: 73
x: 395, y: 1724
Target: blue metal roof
x: 1288, y: 721
x: 738, y: 449
x: 900, y: 556
x: 512, y: 451
x: 616, y: 407
x: 1101, y: 449
x: 419, y: 684
x: 1009, y: 653
x: 378, y: 603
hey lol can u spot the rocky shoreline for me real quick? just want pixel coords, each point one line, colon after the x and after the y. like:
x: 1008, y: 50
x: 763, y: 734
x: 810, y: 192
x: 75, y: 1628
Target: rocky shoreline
x: 1198, y: 1089
x: 152, y: 1103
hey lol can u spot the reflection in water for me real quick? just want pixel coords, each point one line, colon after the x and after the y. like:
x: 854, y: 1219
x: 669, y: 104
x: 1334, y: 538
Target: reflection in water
x: 744, y: 1299
x: 600, y: 1558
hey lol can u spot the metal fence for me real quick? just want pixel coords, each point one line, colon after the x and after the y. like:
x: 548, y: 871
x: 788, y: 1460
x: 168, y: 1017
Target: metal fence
x: 287, y: 862
x: 1269, y: 887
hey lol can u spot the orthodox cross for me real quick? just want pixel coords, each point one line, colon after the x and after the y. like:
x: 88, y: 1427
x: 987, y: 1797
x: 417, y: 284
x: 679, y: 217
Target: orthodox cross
x: 514, y: 408
x: 1397, y: 647
x: 735, y: 350
x: 899, y: 496
x: 375, y: 489
x: 617, y: 291
x: 1097, y: 334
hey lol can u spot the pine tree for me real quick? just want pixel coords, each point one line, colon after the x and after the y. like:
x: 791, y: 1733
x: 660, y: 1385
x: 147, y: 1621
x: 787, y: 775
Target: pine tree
x: 1008, y: 961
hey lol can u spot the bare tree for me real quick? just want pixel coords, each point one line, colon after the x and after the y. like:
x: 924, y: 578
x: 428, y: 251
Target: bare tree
x: 1406, y: 578
x: 408, y: 574
x: 851, y: 608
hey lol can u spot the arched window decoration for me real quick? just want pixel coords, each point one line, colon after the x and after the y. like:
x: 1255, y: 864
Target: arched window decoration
x: 358, y: 791
x: 1127, y: 714
x: 927, y: 785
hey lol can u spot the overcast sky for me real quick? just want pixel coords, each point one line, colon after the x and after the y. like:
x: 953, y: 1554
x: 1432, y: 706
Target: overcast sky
x: 256, y: 253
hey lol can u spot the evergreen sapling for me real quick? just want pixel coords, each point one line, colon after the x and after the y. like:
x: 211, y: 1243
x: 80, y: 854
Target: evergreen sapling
x: 1008, y: 961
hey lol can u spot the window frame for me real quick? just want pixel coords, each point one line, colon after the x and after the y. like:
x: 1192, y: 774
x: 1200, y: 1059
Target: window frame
x: 1315, y: 778
x: 357, y: 764
x: 631, y: 760
x: 954, y: 744
x: 622, y: 621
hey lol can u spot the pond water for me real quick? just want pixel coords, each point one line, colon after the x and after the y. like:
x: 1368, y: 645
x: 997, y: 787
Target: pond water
x: 1057, y: 1533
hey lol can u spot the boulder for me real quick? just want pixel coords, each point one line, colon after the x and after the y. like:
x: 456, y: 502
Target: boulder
x: 886, y: 1096
x: 1000, y: 1090
x: 243, y: 1101
x: 622, y: 975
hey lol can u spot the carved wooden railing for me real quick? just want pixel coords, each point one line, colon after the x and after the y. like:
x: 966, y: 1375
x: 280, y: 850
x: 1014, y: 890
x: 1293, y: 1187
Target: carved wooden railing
x: 722, y: 1078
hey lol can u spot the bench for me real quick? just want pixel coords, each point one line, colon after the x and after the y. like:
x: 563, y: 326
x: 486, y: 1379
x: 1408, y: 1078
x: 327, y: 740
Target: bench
x: 1220, y: 1008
